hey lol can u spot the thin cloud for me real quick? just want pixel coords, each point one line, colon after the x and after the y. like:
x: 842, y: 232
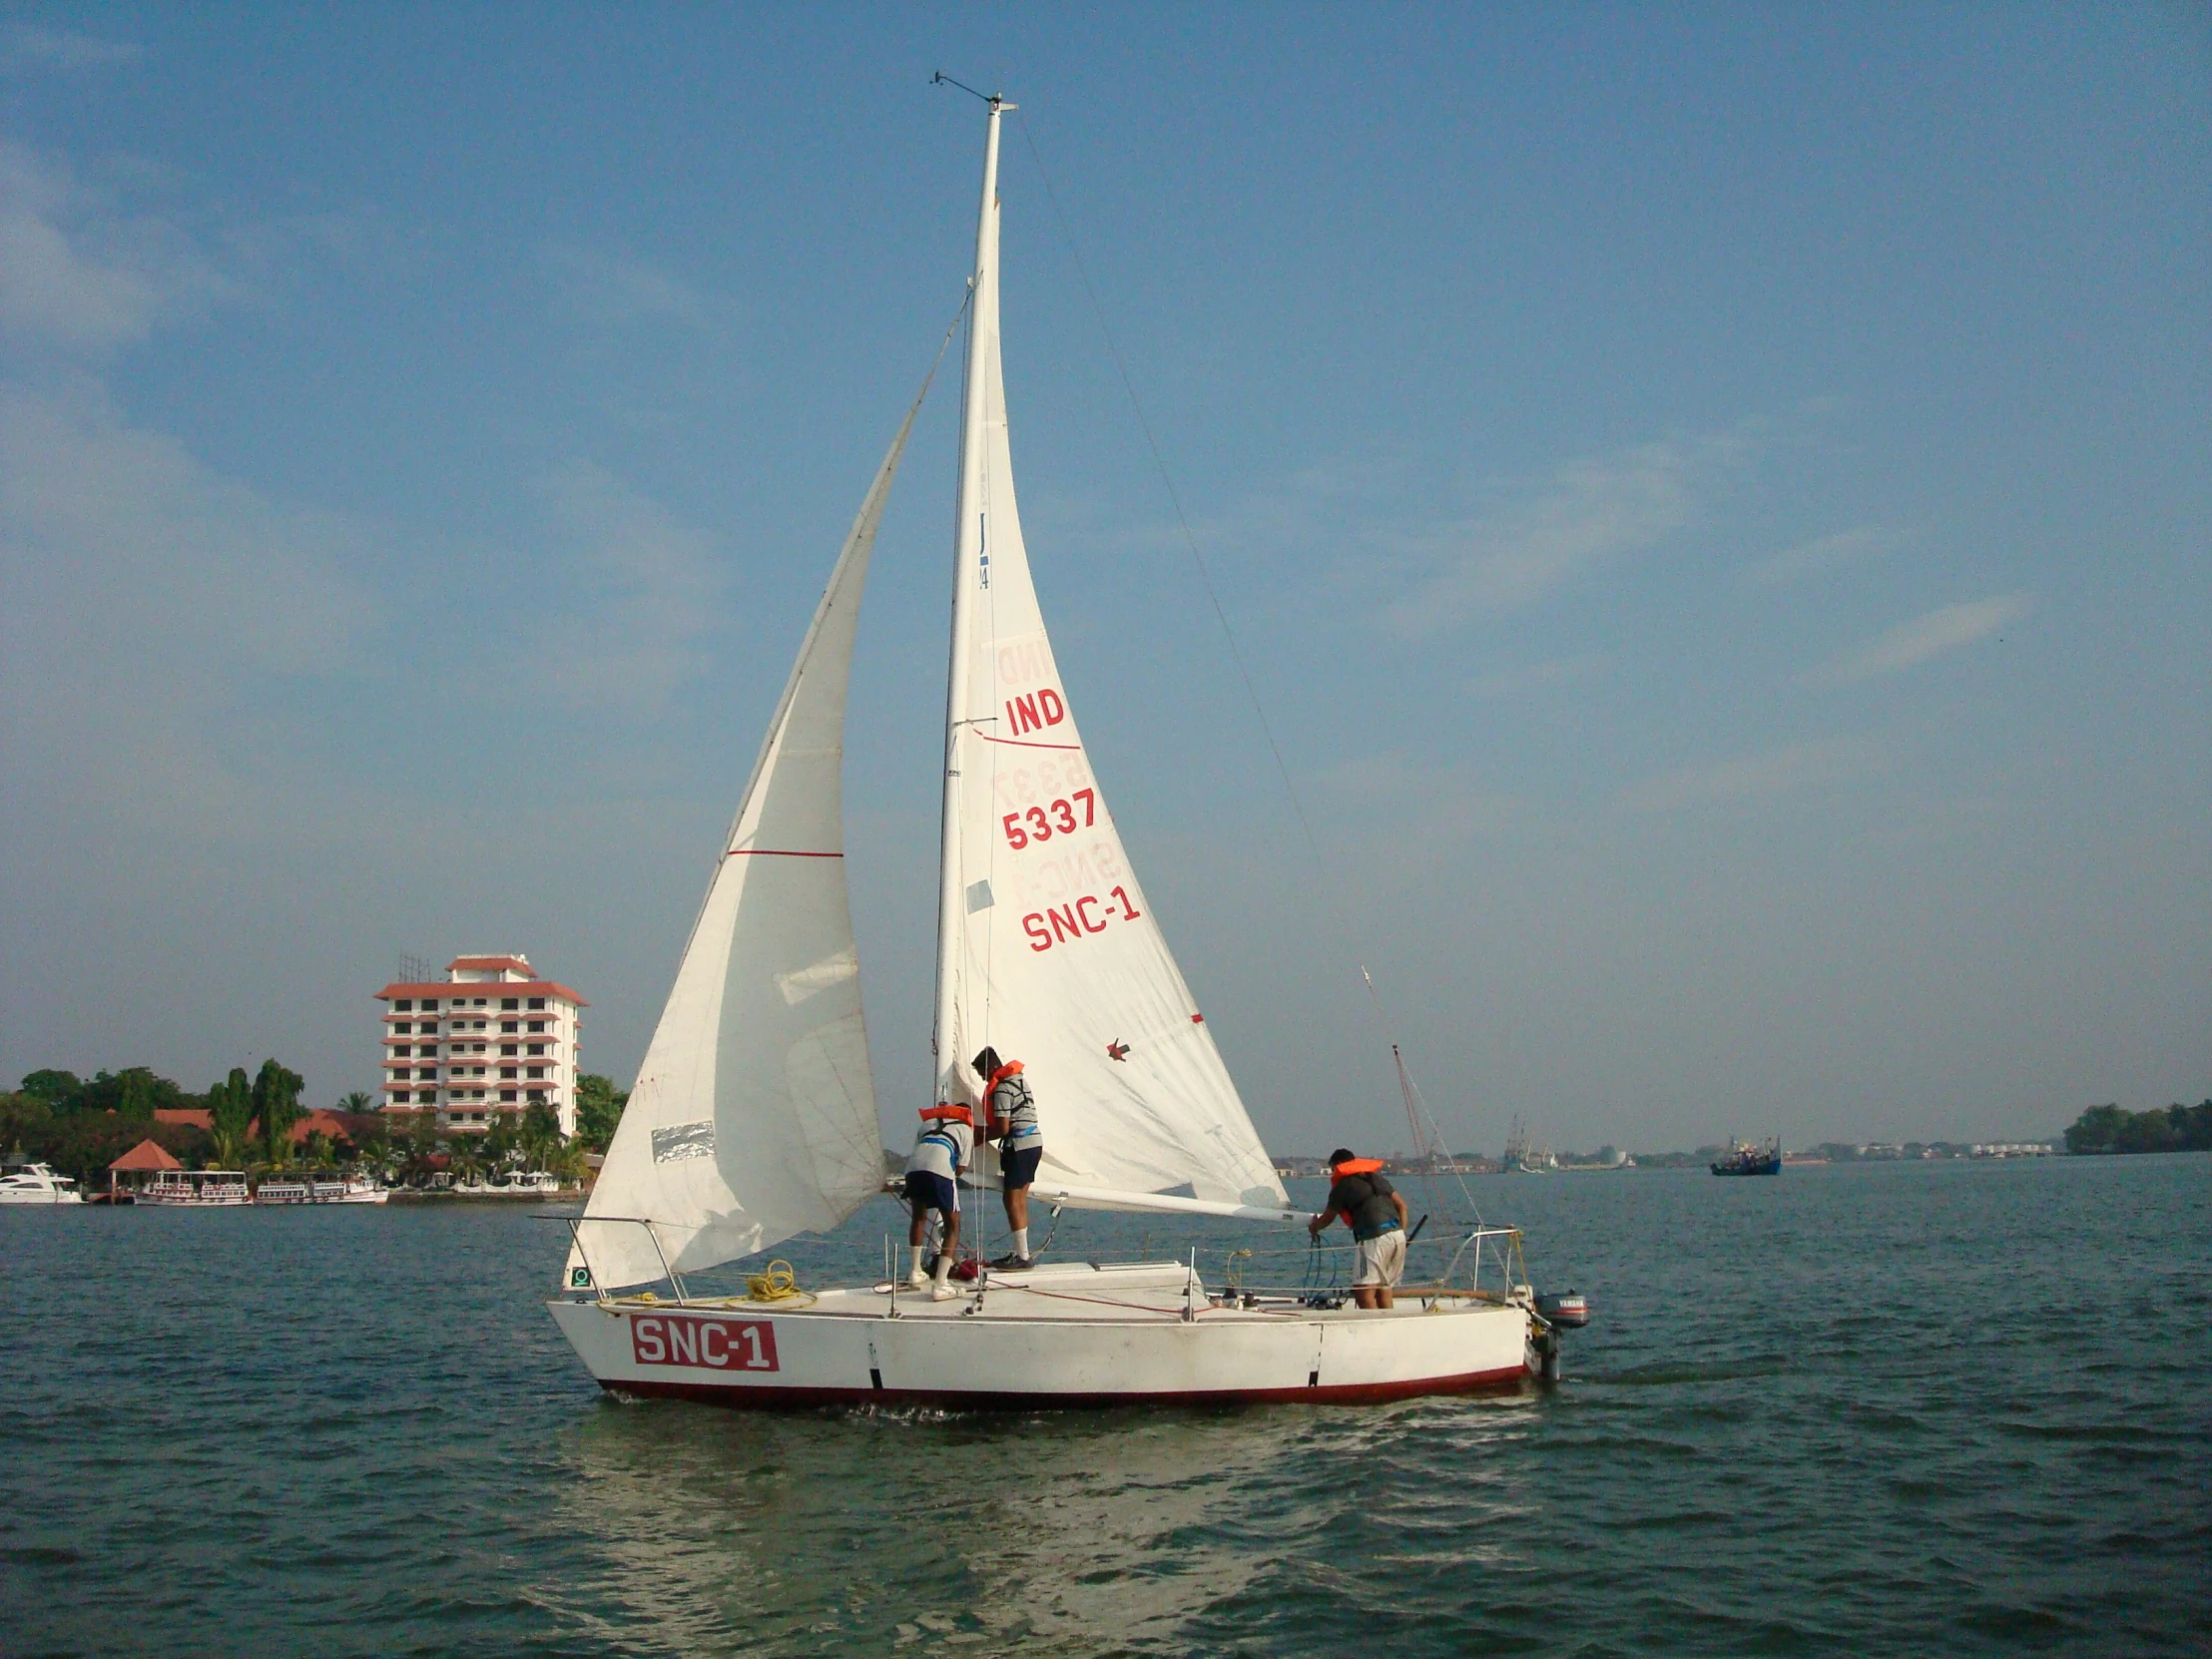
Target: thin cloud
x: 1822, y: 763
x: 1908, y: 644
x: 1821, y: 555
x: 613, y: 290
x: 1555, y: 671
x: 75, y: 273
x: 26, y: 45
x: 1590, y: 511
x: 646, y: 591
x: 148, y: 598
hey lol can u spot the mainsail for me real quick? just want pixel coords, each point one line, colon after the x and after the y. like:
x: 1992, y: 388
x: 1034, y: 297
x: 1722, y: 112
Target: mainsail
x: 1048, y: 950
x: 753, y: 1115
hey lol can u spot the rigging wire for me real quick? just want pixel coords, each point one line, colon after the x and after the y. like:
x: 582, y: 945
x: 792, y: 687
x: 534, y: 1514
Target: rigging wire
x: 1415, y: 1110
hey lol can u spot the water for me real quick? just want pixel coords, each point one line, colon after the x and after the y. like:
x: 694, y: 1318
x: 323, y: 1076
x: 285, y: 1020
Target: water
x: 1925, y: 1408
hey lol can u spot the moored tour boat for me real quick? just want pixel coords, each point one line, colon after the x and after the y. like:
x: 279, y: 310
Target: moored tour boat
x: 198, y: 1189
x: 753, y: 1115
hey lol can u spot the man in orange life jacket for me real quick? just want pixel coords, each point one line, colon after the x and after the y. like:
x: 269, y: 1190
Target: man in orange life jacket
x: 942, y: 1148
x: 1361, y: 1193
x: 1012, y: 1111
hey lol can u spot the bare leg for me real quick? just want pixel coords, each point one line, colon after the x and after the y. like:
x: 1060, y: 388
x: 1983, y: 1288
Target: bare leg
x: 951, y: 1245
x: 1362, y: 1295
x: 1383, y: 1298
x: 1017, y: 1208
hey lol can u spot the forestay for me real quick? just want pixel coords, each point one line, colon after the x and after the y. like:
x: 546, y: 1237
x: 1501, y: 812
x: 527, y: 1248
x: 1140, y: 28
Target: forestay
x: 1048, y: 948
x: 753, y: 1115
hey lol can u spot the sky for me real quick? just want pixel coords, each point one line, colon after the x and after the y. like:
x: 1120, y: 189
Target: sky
x: 1714, y: 503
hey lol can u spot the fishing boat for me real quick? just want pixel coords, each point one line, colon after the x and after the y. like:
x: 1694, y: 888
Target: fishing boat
x: 753, y: 1115
x: 38, y: 1184
x: 1747, y: 1158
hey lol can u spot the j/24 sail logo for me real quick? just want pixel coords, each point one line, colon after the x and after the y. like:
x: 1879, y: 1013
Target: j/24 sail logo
x: 711, y: 1344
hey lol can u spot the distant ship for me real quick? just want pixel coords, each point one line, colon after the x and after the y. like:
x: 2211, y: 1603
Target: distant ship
x: 1746, y: 1159
x: 1522, y: 1159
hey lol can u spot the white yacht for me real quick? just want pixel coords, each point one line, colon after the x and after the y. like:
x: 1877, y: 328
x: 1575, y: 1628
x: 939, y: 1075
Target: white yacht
x: 38, y: 1184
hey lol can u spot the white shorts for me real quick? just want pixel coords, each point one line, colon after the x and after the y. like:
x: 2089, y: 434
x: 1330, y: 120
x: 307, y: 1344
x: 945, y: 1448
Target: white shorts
x: 1379, y: 1261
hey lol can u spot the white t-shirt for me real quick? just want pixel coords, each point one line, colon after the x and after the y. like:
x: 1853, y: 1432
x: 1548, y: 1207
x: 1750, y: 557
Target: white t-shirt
x: 944, y: 1147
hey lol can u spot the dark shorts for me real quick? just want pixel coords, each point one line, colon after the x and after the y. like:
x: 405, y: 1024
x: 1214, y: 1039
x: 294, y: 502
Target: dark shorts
x: 932, y: 1192
x: 1019, y: 1169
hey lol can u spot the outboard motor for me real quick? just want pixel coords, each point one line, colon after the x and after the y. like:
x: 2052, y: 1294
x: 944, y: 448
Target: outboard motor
x: 1568, y: 1308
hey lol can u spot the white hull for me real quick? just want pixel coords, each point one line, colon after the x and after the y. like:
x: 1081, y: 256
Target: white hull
x: 225, y: 1203
x: 1054, y: 1337
x: 40, y: 1196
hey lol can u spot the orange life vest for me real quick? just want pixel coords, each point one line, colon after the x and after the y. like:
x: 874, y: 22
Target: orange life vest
x: 943, y: 1110
x: 1354, y: 1166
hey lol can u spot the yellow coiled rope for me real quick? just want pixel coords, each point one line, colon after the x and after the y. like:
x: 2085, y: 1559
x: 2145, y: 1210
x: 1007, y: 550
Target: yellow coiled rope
x: 778, y: 1284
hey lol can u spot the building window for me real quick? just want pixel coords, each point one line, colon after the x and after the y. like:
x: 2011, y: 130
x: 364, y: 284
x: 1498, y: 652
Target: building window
x: 537, y: 1048
x: 537, y: 1025
x: 510, y: 1026
x: 479, y: 1002
x: 425, y: 1097
x: 508, y: 1071
x: 506, y: 1094
x: 405, y: 1005
x: 535, y: 1071
x: 508, y: 1002
x: 430, y: 1005
x: 537, y: 1002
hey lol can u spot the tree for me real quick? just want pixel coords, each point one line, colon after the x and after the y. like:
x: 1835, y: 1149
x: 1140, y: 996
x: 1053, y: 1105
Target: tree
x: 421, y: 1146
x: 356, y: 1103
x: 230, y: 1111
x: 568, y: 1162
x: 55, y: 1089
x: 276, y: 1104
x: 323, y: 1152
x: 540, y: 1135
x: 2113, y: 1129
x: 496, y: 1145
x: 599, y: 1107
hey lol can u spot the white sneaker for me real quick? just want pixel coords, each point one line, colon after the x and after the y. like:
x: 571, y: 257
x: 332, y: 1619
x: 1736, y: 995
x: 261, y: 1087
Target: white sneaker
x: 915, y: 1280
x: 944, y: 1292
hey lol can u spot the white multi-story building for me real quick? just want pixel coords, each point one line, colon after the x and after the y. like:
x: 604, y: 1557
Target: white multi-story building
x: 489, y: 1037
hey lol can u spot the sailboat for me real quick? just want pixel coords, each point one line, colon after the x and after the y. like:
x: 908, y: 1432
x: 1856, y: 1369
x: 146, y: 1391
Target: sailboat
x: 754, y: 1117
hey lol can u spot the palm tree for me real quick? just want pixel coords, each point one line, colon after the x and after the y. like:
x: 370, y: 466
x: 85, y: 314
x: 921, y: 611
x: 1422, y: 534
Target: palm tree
x: 567, y: 1161
x: 467, y: 1160
x: 541, y: 1134
x: 358, y: 1102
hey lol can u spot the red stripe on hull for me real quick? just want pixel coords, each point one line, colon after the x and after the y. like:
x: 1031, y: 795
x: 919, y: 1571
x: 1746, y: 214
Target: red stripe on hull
x: 769, y: 1397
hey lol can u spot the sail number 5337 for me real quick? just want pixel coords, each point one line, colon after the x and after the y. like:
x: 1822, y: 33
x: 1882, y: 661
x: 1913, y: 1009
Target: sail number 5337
x: 1041, y: 824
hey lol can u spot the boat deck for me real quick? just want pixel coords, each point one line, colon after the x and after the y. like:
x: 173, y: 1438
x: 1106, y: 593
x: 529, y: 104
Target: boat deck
x: 1076, y: 1291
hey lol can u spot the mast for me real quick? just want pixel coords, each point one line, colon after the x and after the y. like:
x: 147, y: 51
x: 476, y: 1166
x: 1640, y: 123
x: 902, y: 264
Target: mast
x: 971, y: 548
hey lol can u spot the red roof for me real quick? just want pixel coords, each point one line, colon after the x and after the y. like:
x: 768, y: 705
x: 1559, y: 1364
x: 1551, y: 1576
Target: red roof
x: 444, y: 989
x: 489, y: 964
x: 147, y: 1155
x: 192, y: 1117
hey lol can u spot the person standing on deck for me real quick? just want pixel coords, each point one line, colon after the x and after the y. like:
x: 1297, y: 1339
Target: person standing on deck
x: 1012, y: 1117
x: 1364, y: 1196
x: 943, y: 1150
